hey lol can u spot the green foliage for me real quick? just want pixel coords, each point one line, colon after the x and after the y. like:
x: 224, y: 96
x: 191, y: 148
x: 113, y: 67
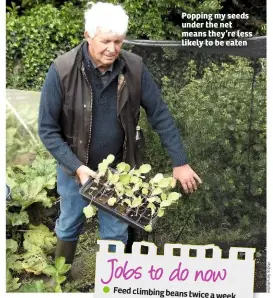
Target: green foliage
x: 161, y: 19
x: 57, y: 272
x: 17, y: 219
x: 213, y: 115
x: 89, y: 211
x: 39, y: 237
x: 131, y: 188
x: 35, y: 39
x: 13, y: 9
x: 12, y: 258
x: 30, y: 180
x: 29, y: 183
x: 12, y: 283
x: 37, y: 286
x: 39, y: 241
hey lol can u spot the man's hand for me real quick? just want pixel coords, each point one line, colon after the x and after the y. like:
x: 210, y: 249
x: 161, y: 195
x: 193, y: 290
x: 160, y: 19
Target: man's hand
x: 187, y: 178
x: 84, y: 174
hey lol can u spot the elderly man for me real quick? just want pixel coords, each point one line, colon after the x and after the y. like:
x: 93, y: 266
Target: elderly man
x: 89, y: 109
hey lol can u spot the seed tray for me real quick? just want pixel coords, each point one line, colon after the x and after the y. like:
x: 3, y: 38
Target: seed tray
x: 135, y: 217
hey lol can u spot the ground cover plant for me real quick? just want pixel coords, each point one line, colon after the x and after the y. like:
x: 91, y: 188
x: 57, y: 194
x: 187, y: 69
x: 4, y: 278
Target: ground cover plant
x: 31, y: 211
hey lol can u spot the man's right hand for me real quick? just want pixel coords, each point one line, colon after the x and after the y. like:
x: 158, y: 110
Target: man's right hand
x: 84, y: 173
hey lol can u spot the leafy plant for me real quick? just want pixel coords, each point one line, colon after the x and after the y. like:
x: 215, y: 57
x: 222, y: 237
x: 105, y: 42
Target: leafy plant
x: 30, y: 177
x: 214, y: 114
x: 12, y: 258
x: 29, y: 183
x: 39, y: 242
x: 36, y: 286
x: 12, y: 284
x: 130, y: 189
x: 17, y: 219
x: 57, y: 272
x: 61, y: 30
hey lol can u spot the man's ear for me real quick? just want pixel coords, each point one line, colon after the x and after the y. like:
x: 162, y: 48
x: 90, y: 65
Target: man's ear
x: 87, y: 37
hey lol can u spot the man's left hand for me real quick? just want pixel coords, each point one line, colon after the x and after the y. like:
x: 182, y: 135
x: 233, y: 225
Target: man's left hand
x: 187, y: 177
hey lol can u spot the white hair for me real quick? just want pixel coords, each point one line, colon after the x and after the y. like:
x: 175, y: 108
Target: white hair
x: 107, y: 18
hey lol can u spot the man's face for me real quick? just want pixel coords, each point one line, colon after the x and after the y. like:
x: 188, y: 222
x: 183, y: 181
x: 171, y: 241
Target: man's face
x: 104, y: 48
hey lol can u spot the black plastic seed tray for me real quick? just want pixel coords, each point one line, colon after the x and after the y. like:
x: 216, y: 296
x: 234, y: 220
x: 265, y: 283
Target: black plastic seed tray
x: 135, y: 217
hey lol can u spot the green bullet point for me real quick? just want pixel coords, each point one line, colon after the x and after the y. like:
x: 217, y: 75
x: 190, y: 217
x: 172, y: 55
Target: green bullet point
x: 106, y: 289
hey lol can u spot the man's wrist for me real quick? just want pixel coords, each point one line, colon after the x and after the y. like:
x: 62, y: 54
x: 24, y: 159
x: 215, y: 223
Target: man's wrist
x: 178, y: 166
x: 79, y: 169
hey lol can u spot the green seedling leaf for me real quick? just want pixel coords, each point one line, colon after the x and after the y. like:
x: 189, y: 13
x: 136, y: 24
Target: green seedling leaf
x: 102, y: 168
x: 163, y: 183
x: 161, y: 212
x: 134, y: 179
x: 127, y: 168
x: 128, y: 202
x: 172, y: 182
x: 156, y: 191
x: 124, y: 179
x: 89, y: 211
x: 119, y: 187
x: 114, y: 179
x: 59, y: 263
x: 50, y: 270
x: 137, y: 173
x: 121, y: 167
x: 157, y: 178
x: 145, y: 185
x: 163, y: 196
x: 144, y: 169
x: 136, y: 202
x: 110, y: 175
x: 145, y: 191
x: 152, y: 199
x: 129, y: 193
x: 64, y: 269
x: 135, y: 188
x: 58, y: 289
x: 111, y: 202
x: 173, y: 196
x: 165, y: 203
x: 60, y: 279
x: 158, y: 200
x: 148, y: 228
x: 110, y: 158
x: 152, y: 207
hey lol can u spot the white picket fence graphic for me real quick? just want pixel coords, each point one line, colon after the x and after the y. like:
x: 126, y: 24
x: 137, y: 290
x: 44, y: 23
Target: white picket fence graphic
x: 150, y: 275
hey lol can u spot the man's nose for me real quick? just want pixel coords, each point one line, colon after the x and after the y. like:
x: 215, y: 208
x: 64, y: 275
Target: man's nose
x: 111, y: 47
